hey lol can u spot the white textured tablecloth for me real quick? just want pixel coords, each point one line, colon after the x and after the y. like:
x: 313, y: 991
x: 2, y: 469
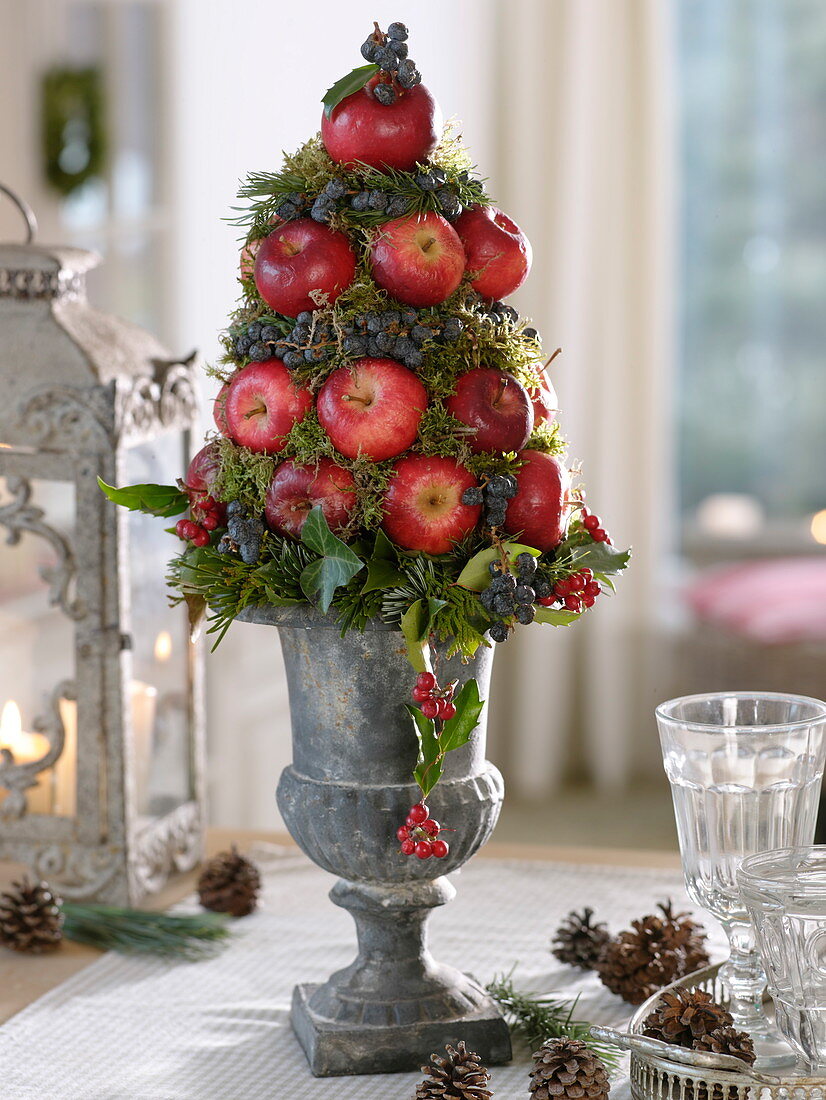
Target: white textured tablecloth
x: 136, y: 1029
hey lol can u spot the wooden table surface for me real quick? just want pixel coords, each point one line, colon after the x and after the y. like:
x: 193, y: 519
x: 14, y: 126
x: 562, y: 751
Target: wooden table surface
x: 24, y: 978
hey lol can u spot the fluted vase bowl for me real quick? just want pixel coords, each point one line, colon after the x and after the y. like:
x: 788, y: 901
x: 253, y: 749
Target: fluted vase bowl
x: 346, y: 792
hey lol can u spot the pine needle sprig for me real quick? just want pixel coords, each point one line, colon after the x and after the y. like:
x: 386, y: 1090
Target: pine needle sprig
x: 144, y: 932
x: 537, y: 1019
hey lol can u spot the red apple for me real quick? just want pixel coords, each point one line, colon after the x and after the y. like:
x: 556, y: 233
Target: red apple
x: 296, y: 489
x: 423, y: 507
x: 498, y: 252
x: 540, y: 510
x: 249, y: 251
x: 262, y: 405
x: 219, y: 411
x: 372, y: 408
x: 204, y: 468
x: 496, y: 406
x: 418, y: 259
x: 395, y: 136
x: 545, y: 402
x: 300, y: 263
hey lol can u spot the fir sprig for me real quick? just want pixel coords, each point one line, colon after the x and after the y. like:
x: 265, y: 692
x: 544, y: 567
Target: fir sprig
x: 536, y: 1018
x: 144, y: 932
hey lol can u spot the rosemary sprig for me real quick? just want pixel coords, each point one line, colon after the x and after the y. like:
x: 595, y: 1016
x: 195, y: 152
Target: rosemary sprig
x: 144, y: 932
x: 537, y: 1019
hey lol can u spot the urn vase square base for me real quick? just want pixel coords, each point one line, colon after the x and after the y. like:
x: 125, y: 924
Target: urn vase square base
x: 336, y: 1049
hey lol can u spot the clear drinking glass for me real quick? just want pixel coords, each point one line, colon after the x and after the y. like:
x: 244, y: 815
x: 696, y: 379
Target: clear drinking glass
x: 745, y: 770
x: 785, y: 893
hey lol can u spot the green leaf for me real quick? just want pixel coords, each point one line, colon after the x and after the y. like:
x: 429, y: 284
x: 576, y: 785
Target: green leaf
x: 353, y: 82
x: 382, y: 571
x: 601, y: 558
x: 155, y: 500
x: 416, y: 625
x: 475, y: 575
x: 556, y: 616
x: 428, y: 771
x: 457, y: 730
x: 337, y: 566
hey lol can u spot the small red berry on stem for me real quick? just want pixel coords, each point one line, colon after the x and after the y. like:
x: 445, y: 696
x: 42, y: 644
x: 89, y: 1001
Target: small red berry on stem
x: 430, y: 826
x: 420, y: 694
x: 408, y: 847
x: 439, y: 849
x: 430, y: 708
x: 418, y: 813
x: 426, y: 681
x: 424, y: 849
x: 573, y: 603
x: 200, y: 538
x: 447, y: 710
x: 403, y: 832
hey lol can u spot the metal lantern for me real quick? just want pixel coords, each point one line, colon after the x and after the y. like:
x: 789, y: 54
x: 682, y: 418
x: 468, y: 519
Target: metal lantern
x: 101, y: 722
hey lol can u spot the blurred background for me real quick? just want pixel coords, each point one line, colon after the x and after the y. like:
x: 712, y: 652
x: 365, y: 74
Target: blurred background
x: 665, y: 158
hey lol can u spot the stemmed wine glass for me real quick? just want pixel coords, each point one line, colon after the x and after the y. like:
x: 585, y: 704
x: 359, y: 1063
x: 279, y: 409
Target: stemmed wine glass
x: 745, y: 770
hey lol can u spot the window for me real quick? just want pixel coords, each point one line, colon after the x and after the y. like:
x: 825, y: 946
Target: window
x: 752, y: 380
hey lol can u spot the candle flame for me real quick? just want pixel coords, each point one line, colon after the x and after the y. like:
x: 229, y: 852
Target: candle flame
x: 163, y: 646
x: 11, y: 722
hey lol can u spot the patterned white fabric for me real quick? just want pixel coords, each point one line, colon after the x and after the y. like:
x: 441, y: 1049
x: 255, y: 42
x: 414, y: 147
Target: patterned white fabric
x: 129, y: 1029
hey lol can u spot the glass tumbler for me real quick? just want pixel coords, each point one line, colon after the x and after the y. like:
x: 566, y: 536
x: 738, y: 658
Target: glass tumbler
x: 785, y: 893
x: 745, y: 770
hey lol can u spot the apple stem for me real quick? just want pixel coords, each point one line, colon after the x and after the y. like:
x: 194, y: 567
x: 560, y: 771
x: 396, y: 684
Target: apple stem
x: 557, y: 352
x: 359, y: 400
x: 503, y: 383
x: 259, y: 410
x: 425, y: 247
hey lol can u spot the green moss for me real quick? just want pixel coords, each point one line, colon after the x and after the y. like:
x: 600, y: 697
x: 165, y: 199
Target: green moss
x: 442, y: 434
x: 547, y: 438
x: 243, y: 475
x: 307, y: 441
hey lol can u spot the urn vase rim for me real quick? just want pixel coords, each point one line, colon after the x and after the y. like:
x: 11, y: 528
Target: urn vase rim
x: 303, y: 616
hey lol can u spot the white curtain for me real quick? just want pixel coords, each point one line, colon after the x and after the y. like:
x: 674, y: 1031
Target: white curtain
x: 586, y: 163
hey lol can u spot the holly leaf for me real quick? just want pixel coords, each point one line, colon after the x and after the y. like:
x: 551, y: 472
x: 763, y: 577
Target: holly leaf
x: 353, y: 82
x: 457, y: 730
x: 428, y: 770
x: 416, y: 625
x: 155, y: 500
x: 382, y: 571
x: 599, y: 557
x: 336, y: 566
x: 475, y: 574
x: 556, y: 616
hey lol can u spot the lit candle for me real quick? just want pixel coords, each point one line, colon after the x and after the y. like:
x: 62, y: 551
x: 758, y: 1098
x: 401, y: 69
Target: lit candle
x: 144, y: 699
x: 163, y: 646
x: 26, y: 748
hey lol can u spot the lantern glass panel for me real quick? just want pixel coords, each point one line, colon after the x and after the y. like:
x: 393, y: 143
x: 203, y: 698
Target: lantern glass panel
x: 37, y: 590
x: 160, y: 704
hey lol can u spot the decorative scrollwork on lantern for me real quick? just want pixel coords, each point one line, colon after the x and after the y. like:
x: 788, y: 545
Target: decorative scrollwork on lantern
x: 18, y: 778
x: 79, y: 418
x: 172, y: 845
x: 77, y: 872
x: 20, y: 515
x: 179, y: 400
x: 28, y: 285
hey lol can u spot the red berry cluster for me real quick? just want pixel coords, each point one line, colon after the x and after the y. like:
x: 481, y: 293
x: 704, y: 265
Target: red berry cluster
x: 576, y: 592
x: 206, y: 516
x: 436, y: 702
x: 419, y: 835
x: 593, y: 525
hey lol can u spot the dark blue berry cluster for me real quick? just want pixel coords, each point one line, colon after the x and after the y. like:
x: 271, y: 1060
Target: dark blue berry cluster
x: 391, y: 333
x: 389, y: 51
x: 244, y: 534
x: 255, y: 342
x: 512, y: 596
x: 494, y: 495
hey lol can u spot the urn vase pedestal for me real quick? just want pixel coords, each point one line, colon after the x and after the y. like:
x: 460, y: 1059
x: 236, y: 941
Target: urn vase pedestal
x: 346, y: 792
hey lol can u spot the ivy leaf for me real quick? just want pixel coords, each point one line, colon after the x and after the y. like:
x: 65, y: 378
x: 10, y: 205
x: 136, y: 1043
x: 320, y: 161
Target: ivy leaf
x: 416, y: 625
x: 601, y: 558
x: 475, y: 575
x: 428, y: 771
x: 382, y: 571
x: 457, y: 730
x: 336, y: 566
x: 556, y: 616
x: 155, y: 500
x: 353, y: 82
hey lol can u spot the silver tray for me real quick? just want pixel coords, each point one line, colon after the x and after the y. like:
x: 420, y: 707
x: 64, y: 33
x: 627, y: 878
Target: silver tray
x: 662, y: 1072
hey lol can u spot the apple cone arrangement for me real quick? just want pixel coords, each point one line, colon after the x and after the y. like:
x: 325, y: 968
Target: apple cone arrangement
x: 386, y: 442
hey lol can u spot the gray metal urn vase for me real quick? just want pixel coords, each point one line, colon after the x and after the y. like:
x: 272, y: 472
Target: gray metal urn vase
x: 345, y: 793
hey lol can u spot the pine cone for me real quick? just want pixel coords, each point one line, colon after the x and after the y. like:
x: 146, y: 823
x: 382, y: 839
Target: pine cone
x: 727, y: 1040
x: 567, y: 1068
x: 655, y: 952
x: 682, y: 1016
x: 459, y: 1076
x: 31, y: 918
x: 577, y: 942
x: 229, y: 883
